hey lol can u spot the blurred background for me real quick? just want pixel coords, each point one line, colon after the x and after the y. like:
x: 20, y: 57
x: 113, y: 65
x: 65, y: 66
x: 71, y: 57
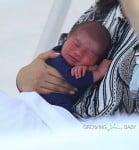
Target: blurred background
x: 21, y: 25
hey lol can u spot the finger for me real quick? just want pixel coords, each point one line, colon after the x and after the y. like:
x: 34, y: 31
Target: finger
x: 52, y: 71
x: 57, y: 81
x: 72, y: 72
x: 76, y: 73
x: 83, y: 72
x: 48, y: 54
x: 55, y: 89
x: 42, y: 90
x: 79, y: 72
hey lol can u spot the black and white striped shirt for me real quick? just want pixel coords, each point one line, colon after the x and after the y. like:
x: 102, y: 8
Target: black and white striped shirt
x: 112, y: 94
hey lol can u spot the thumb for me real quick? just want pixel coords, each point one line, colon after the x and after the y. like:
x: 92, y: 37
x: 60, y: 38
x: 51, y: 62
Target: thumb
x: 48, y: 54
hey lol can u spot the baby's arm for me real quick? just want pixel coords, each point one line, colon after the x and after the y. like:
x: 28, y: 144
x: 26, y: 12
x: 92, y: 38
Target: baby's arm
x: 100, y: 70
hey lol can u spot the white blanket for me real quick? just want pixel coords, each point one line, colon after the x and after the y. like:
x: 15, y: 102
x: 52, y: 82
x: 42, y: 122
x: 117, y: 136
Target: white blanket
x: 29, y: 111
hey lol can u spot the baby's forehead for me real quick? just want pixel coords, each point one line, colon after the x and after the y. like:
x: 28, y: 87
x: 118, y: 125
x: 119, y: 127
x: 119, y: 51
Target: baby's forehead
x: 91, y: 33
x: 89, y: 44
x: 93, y: 28
x: 87, y: 38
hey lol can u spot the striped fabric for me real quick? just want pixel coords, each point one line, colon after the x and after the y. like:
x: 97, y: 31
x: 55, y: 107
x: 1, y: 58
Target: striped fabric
x: 111, y: 95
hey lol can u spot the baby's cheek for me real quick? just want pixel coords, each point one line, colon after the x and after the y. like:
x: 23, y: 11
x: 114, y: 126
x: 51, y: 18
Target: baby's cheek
x: 86, y: 61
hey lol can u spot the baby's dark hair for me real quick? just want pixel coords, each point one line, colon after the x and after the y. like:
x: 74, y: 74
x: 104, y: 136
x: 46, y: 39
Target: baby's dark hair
x: 104, y: 6
x: 97, y: 30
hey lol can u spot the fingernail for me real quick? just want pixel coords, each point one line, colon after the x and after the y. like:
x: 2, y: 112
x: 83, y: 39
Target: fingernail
x: 75, y: 89
x: 57, y: 53
x: 72, y: 92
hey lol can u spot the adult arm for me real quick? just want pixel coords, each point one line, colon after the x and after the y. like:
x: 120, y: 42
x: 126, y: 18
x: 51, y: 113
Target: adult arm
x: 32, y: 77
x: 40, y: 77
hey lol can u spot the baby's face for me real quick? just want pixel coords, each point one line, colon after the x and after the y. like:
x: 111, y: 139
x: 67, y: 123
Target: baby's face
x: 80, y: 49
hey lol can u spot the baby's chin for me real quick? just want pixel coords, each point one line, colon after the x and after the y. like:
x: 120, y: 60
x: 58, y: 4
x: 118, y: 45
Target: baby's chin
x: 71, y: 63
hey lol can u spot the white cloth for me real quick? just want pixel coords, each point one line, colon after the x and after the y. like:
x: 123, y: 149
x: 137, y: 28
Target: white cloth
x: 29, y: 111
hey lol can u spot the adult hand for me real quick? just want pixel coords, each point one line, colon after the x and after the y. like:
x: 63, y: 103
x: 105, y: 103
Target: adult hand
x: 42, y: 78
